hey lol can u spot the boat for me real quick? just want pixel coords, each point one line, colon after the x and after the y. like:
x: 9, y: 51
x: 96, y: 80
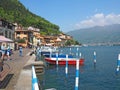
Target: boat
x: 59, y: 55
x: 48, y: 50
x: 62, y: 61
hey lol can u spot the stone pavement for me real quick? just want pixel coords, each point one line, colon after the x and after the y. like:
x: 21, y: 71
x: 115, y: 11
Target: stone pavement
x: 24, y: 81
x: 21, y: 70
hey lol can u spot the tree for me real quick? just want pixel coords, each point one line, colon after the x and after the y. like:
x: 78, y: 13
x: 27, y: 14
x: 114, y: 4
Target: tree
x: 20, y: 40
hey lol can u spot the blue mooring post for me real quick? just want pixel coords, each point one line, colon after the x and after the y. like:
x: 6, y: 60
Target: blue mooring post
x: 77, y: 52
x: 77, y: 75
x: 66, y: 68
x: 57, y: 59
x: 94, y: 57
x: 118, y: 64
x: 80, y: 55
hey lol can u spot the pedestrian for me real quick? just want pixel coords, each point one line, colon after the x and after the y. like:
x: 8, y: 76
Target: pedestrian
x: 3, y: 51
x: 20, y: 51
x: 38, y: 53
x: 8, y: 52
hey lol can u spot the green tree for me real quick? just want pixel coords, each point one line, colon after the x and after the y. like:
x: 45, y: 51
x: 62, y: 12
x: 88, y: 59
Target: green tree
x: 20, y: 40
x: 14, y: 11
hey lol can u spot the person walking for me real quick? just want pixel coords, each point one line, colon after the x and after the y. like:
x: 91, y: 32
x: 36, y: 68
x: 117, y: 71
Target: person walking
x: 3, y: 51
x: 8, y: 52
x: 38, y: 53
x: 20, y: 51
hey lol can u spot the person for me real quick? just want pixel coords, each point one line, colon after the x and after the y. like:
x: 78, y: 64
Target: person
x: 3, y: 51
x: 8, y: 52
x: 38, y: 53
x: 20, y: 51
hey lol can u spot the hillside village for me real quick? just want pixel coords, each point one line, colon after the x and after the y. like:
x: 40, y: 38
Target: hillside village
x: 30, y: 36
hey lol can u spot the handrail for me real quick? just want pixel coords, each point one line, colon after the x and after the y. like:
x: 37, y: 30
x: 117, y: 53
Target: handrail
x: 34, y: 80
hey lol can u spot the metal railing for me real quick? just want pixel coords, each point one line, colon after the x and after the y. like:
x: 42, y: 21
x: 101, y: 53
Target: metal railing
x: 35, y: 85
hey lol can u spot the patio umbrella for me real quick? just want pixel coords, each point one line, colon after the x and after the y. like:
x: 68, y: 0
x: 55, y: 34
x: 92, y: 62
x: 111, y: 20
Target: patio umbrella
x: 4, y: 39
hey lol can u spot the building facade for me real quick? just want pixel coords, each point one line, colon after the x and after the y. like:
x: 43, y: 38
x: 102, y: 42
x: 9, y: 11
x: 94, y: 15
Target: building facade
x: 7, y: 29
x: 28, y: 34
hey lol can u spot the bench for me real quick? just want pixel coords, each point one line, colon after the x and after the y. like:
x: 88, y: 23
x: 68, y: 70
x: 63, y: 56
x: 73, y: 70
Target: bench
x: 4, y: 73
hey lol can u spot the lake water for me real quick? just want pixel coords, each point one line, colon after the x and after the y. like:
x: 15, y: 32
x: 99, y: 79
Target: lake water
x: 99, y: 77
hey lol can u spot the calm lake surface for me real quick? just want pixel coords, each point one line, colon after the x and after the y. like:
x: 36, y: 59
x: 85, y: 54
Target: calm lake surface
x: 100, y: 77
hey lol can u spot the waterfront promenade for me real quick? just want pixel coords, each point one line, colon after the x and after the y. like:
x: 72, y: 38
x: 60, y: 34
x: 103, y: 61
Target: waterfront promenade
x: 21, y: 70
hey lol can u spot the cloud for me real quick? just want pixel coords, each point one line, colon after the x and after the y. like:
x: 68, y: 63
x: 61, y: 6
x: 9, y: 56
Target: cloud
x: 99, y: 19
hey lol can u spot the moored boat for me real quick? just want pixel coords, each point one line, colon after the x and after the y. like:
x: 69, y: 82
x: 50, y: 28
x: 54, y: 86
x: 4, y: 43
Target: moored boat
x: 62, y: 61
x: 48, y: 50
x: 59, y: 55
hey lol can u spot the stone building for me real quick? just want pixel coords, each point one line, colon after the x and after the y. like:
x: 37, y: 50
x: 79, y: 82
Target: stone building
x: 7, y: 29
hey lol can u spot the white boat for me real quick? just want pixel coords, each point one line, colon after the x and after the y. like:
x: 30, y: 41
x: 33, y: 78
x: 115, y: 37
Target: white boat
x: 48, y: 50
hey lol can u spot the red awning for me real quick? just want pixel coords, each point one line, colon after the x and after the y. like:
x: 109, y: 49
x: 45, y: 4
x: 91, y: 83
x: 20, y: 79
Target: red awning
x: 4, y: 39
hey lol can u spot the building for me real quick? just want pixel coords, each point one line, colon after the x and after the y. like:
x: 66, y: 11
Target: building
x: 7, y: 29
x: 28, y: 34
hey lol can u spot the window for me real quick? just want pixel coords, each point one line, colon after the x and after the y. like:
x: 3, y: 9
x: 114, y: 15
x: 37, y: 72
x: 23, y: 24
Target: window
x: 9, y: 34
x: 6, y: 35
x: 18, y: 32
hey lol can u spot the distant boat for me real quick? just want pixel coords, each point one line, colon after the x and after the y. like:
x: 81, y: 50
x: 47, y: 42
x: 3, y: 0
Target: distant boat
x: 62, y: 61
x: 48, y: 50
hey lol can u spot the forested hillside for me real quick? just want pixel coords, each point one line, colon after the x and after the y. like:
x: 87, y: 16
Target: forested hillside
x: 14, y: 11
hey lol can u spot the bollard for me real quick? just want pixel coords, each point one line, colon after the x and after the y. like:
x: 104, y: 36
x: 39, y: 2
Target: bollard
x: 77, y: 75
x: 57, y: 59
x: 117, y: 70
x: 80, y: 54
x: 66, y: 68
x: 118, y: 64
x: 94, y: 57
x: 76, y: 54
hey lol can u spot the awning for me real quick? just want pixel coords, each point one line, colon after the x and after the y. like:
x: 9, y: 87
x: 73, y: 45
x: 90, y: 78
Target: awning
x: 4, y: 39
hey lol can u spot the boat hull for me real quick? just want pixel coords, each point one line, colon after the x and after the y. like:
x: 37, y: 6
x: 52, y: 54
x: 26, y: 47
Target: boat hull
x: 63, y: 61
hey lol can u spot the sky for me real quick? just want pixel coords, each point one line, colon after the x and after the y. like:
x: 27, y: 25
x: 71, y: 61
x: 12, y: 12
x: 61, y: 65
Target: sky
x: 70, y: 15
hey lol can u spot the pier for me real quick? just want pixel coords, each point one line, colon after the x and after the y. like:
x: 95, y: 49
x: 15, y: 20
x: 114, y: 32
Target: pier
x: 22, y: 70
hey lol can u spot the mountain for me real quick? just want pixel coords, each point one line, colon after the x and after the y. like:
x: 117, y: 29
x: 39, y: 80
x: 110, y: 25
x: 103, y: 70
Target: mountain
x: 14, y: 11
x: 98, y: 34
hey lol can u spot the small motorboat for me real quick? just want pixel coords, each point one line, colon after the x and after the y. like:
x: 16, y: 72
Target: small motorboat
x: 48, y: 50
x: 62, y: 61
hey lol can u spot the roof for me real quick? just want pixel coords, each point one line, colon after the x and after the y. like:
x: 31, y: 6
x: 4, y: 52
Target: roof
x: 4, y: 39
